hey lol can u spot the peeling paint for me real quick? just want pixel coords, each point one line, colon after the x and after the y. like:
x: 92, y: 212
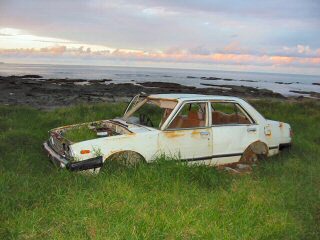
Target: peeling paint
x: 173, y: 134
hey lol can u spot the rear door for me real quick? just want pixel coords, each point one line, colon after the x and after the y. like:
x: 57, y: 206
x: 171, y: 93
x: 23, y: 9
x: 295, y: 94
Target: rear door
x: 233, y: 130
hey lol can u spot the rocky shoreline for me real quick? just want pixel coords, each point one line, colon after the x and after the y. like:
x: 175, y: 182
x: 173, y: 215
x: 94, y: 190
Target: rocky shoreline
x: 35, y: 91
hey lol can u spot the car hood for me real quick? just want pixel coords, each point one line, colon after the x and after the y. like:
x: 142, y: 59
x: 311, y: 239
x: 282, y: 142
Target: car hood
x: 134, y: 128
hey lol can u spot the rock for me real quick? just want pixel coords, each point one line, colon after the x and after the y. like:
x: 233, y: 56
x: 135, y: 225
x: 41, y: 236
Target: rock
x: 51, y: 93
x: 242, y: 166
x: 102, y: 80
x: 210, y: 78
x: 165, y: 85
x: 29, y: 76
x: 231, y: 170
x: 310, y: 93
x: 248, y: 81
x: 284, y: 83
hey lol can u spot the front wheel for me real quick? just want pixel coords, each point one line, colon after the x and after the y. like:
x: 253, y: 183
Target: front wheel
x: 126, y: 158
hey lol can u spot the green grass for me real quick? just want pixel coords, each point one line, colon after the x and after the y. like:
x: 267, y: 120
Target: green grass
x: 80, y: 133
x: 280, y: 199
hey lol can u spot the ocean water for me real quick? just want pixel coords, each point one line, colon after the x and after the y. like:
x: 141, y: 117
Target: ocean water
x: 187, y: 77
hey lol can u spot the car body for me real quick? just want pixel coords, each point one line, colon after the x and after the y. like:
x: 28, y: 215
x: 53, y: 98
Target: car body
x: 214, y: 130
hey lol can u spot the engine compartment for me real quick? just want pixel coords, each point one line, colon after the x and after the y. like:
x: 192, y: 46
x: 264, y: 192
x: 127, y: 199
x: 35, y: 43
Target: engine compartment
x: 87, y: 131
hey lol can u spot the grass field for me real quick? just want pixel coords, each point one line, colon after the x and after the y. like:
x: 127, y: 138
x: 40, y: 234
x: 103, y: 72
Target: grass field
x: 280, y: 199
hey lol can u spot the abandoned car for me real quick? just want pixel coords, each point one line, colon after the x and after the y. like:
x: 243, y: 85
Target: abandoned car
x: 214, y: 130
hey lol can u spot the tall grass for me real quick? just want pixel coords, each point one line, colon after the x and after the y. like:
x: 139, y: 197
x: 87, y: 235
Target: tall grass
x: 280, y: 199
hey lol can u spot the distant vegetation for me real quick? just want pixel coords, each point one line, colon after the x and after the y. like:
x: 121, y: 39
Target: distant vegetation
x: 166, y: 200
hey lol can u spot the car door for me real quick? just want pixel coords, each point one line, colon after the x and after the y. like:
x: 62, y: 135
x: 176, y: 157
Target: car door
x: 188, y: 135
x: 233, y: 130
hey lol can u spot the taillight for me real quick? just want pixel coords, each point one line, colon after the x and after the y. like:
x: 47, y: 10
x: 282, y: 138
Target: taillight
x: 85, y: 151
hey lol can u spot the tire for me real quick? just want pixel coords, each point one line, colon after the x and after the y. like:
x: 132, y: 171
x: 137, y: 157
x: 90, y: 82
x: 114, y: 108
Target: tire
x: 249, y: 157
x: 127, y: 158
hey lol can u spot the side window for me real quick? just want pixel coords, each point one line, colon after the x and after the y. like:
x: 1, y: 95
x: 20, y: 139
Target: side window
x: 228, y: 113
x: 192, y: 115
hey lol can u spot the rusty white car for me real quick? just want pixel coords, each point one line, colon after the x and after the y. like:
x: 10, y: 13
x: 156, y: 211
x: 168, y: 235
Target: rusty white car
x: 214, y: 130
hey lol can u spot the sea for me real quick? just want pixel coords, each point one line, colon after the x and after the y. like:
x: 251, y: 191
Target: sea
x: 280, y: 83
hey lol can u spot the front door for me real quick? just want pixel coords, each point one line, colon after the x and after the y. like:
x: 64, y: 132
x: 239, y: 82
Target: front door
x: 188, y: 136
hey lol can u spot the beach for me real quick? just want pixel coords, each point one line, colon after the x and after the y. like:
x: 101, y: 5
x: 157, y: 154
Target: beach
x: 51, y: 86
x: 35, y: 91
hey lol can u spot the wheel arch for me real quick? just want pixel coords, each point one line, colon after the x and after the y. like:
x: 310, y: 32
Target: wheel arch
x: 118, y: 152
x: 257, y: 148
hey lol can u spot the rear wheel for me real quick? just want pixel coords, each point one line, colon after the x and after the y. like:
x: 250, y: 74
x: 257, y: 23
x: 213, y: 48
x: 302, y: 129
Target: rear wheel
x: 249, y: 157
x: 257, y: 150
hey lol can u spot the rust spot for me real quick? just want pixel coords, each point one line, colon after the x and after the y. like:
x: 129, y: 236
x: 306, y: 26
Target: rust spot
x: 194, y: 132
x: 166, y: 99
x: 173, y: 134
x: 281, y: 124
x: 131, y: 134
x: 269, y: 134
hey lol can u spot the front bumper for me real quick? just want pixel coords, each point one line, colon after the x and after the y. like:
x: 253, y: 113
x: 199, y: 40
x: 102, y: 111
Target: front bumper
x: 58, y: 160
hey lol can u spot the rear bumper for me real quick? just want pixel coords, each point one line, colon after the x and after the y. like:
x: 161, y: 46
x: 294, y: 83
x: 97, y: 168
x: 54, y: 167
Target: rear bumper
x: 284, y: 146
x: 62, y: 162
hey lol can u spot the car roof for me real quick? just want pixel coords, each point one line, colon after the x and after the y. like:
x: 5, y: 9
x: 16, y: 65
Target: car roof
x: 186, y: 97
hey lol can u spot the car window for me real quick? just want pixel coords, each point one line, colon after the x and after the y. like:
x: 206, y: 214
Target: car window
x: 228, y: 113
x: 150, y: 112
x: 191, y: 115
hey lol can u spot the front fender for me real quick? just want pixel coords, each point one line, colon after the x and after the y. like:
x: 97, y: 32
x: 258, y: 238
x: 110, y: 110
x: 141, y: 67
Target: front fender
x: 145, y: 144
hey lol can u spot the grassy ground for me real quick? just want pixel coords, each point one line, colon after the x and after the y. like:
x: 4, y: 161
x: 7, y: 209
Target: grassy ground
x: 279, y: 200
x: 80, y: 133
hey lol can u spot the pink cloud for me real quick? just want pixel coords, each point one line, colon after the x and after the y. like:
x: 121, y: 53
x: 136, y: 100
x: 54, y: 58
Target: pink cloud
x: 172, y: 55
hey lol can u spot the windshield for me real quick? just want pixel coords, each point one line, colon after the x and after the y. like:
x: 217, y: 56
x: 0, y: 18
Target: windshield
x: 149, y: 112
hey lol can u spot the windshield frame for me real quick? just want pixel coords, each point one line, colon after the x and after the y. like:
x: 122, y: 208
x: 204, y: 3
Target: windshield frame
x: 131, y: 104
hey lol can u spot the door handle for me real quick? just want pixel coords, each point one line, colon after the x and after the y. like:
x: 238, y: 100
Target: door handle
x: 251, y: 129
x: 204, y: 133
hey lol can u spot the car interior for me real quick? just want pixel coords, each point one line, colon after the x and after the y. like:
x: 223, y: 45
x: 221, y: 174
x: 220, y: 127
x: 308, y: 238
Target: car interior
x: 227, y: 113
x: 194, y: 115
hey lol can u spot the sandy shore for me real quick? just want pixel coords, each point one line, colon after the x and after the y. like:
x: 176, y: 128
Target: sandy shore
x: 33, y: 90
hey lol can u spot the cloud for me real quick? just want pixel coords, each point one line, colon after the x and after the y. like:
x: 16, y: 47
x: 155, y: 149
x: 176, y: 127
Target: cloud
x: 56, y: 50
x: 275, y: 32
x: 200, y: 50
x: 172, y: 55
x: 155, y: 24
x: 10, y: 31
x: 301, y: 51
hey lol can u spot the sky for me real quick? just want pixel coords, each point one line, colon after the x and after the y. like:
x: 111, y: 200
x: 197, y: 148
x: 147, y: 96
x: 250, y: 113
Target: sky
x: 260, y: 36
